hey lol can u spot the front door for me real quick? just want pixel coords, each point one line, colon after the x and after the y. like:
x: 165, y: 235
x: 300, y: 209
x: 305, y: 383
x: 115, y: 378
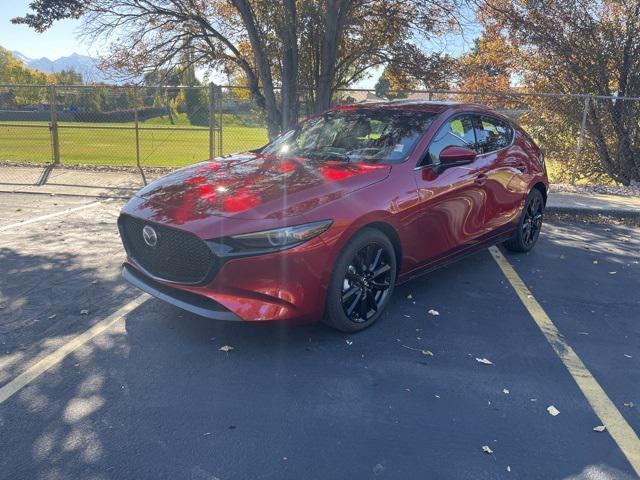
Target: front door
x: 451, y: 201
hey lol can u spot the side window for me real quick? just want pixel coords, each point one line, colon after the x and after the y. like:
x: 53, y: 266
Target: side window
x: 458, y: 132
x: 492, y: 134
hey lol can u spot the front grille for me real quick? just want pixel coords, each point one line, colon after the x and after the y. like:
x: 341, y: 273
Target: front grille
x: 178, y: 256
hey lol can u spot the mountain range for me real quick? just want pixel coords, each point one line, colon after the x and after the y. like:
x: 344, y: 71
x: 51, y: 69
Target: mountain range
x: 86, y: 66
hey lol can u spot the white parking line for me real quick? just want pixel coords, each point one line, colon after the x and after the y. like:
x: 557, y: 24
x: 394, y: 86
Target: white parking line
x: 47, y: 217
x: 33, y: 372
x: 621, y: 432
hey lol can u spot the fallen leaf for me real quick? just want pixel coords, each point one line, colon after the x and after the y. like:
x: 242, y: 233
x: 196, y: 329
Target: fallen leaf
x: 484, y: 361
x: 433, y: 312
x: 226, y: 348
x: 84, y: 312
x: 486, y: 449
x: 599, y: 428
x: 553, y: 411
x: 428, y: 353
x: 505, y: 391
x: 349, y: 342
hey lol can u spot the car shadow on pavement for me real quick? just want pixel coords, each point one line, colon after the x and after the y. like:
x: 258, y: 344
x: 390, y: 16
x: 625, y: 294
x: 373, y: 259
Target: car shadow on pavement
x: 48, y: 297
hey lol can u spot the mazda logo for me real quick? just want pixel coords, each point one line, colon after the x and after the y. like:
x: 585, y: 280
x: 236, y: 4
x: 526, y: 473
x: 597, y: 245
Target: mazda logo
x: 149, y: 236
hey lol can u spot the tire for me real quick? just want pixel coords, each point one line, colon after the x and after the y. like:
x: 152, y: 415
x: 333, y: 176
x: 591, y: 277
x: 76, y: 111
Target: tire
x: 362, y: 282
x: 529, y: 225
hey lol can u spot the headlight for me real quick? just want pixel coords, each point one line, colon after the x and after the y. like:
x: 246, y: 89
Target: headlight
x: 267, y: 241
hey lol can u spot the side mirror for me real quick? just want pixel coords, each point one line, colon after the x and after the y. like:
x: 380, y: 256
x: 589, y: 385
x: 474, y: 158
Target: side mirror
x: 453, y: 155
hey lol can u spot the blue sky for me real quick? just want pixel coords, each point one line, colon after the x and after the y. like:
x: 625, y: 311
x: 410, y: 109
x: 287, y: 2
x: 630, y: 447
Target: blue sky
x: 62, y: 39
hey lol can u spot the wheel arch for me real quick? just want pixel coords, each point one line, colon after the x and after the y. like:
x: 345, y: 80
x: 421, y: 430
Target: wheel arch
x: 391, y: 233
x: 542, y: 188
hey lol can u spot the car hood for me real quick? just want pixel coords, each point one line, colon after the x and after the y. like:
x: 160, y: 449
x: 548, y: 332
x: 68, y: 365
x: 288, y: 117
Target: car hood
x: 256, y: 186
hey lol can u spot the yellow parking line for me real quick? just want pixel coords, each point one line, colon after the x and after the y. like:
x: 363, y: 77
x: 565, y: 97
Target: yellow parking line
x: 33, y: 372
x: 617, y: 426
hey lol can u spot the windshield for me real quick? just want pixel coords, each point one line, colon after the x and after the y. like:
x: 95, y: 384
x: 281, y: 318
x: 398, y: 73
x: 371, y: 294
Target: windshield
x: 378, y: 136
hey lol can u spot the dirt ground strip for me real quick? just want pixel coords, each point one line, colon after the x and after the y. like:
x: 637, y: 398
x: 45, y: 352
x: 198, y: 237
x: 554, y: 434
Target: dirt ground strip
x: 153, y: 396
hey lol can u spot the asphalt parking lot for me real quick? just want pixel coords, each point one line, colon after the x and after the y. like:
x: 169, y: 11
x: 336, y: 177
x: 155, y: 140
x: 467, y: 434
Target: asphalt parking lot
x: 153, y: 396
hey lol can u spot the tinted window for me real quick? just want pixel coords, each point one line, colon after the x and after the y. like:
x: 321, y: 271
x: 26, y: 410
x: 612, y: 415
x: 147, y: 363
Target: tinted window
x: 492, y: 134
x: 457, y: 132
x: 363, y: 135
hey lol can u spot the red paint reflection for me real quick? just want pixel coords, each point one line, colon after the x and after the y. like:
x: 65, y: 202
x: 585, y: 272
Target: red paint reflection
x: 241, y: 201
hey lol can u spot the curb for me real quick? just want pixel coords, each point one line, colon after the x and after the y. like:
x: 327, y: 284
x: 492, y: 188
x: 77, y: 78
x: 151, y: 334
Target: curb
x: 617, y: 213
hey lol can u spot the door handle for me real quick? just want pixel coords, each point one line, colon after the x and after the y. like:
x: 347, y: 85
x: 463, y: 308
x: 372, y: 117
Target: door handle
x: 517, y: 165
x: 481, y: 178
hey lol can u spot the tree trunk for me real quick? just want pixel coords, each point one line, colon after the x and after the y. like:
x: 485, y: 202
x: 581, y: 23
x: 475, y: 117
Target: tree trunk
x: 274, y: 117
x: 289, y: 92
x: 333, y: 19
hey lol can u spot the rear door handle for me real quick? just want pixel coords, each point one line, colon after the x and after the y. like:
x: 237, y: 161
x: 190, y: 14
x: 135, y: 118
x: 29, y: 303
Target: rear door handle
x: 481, y: 178
x: 517, y: 165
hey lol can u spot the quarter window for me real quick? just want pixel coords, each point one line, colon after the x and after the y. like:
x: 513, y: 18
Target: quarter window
x: 458, y: 132
x: 492, y: 134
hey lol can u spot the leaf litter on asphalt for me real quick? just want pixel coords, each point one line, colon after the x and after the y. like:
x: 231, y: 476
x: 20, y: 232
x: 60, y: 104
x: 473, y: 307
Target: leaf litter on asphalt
x: 553, y: 411
x: 484, y: 361
x: 427, y: 353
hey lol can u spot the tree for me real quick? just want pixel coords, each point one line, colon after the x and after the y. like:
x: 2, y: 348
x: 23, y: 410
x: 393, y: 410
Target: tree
x: 195, y: 97
x: 67, y: 77
x: 382, y: 86
x: 12, y: 71
x: 282, y: 45
x: 489, y: 64
x: 581, y: 46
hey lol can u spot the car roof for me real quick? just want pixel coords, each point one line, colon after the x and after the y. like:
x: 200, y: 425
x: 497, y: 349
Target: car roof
x: 413, y: 105
x: 436, y: 107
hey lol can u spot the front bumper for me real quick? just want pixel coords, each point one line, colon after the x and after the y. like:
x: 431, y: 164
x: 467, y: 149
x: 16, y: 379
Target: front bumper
x: 191, y: 302
x: 285, y: 286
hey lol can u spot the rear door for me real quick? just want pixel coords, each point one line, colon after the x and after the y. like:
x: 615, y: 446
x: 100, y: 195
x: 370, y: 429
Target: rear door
x: 450, y: 211
x: 504, y: 166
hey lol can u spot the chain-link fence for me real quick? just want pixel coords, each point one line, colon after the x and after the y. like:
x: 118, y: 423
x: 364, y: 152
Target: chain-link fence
x: 118, y: 136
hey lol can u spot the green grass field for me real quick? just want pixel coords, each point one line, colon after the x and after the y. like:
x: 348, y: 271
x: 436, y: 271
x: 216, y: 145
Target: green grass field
x: 162, y: 147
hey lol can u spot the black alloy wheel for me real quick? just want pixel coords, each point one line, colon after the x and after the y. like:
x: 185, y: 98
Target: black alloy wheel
x: 366, y: 283
x: 362, y: 281
x: 529, y: 225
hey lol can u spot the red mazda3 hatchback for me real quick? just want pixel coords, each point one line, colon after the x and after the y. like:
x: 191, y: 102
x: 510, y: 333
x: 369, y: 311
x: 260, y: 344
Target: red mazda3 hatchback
x: 323, y: 222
